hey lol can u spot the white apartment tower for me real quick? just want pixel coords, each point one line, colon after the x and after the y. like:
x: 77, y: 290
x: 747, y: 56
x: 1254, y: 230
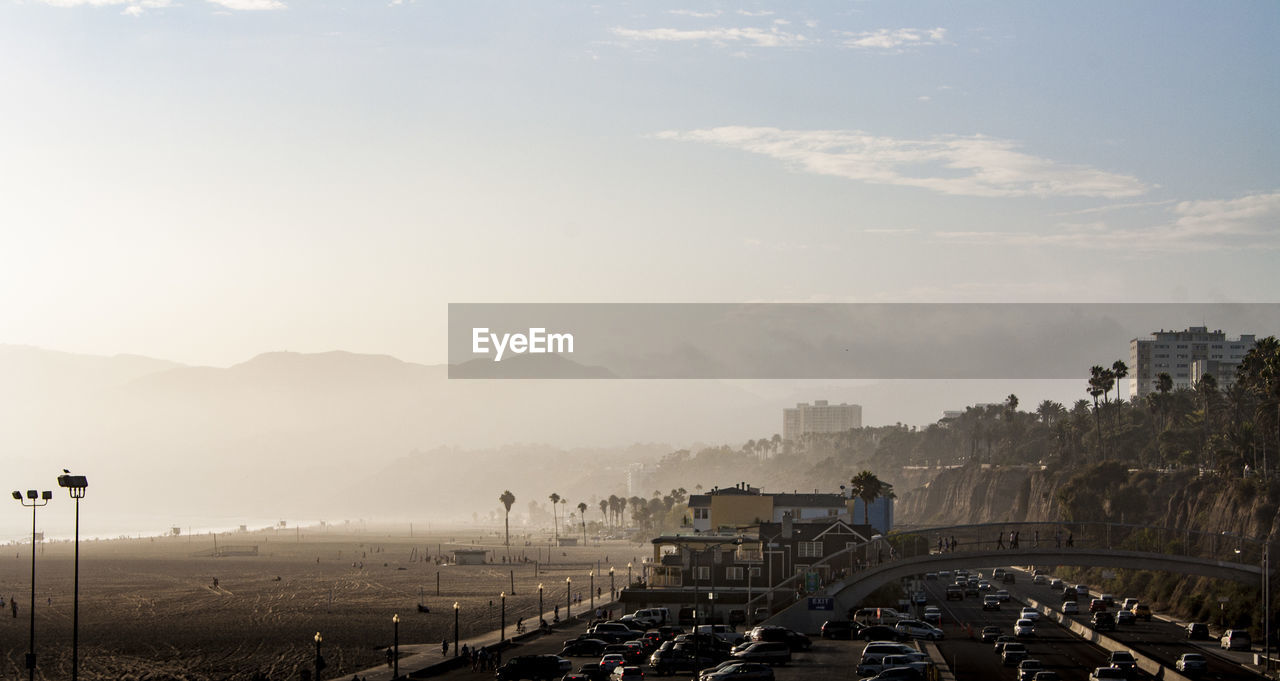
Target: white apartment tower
x: 819, y: 417
x: 1186, y: 356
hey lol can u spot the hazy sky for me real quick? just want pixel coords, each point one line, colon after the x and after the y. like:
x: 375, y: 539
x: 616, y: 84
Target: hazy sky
x: 204, y: 180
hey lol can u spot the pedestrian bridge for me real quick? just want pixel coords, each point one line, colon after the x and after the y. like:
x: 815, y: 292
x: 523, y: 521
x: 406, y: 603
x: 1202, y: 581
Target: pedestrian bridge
x: 917, y: 551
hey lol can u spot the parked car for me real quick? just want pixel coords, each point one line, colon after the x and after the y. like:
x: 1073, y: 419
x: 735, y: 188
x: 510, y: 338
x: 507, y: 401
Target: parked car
x: 587, y: 672
x: 611, y: 660
x: 1071, y: 608
x: 875, y: 654
x: 842, y: 629
x: 768, y: 652
x: 1198, y: 631
x: 1192, y: 664
x: 672, y: 660
x: 1028, y: 668
x: 879, y: 632
x: 536, y: 667
x: 742, y: 671
x: 991, y: 633
x: 1235, y: 639
x: 796, y: 640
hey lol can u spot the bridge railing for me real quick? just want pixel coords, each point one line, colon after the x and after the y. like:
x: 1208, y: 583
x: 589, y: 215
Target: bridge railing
x: 1012, y: 536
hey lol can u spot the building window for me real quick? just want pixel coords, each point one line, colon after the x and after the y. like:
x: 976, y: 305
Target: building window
x: 833, y: 512
x: 701, y: 513
x: 754, y: 572
x: 733, y: 573
x: 810, y: 549
x: 702, y: 572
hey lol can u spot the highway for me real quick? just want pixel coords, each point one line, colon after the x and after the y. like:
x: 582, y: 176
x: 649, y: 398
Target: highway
x: 1058, y: 649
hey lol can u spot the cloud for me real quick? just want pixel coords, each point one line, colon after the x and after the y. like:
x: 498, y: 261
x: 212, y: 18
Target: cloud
x: 755, y: 37
x: 890, y: 230
x: 133, y: 8
x: 1194, y: 226
x: 894, y: 40
x: 693, y: 13
x: 760, y: 13
x: 250, y: 5
x: 950, y: 164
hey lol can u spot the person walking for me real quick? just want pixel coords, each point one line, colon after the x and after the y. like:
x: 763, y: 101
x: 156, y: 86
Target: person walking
x: 1000, y: 541
x: 444, y: 648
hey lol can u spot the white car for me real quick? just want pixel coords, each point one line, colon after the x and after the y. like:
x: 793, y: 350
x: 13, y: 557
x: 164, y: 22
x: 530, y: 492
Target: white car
x: 1039, y: 579
x: 1024, y: 627
x: 1192, y: 663
x: 1070, y: 608
x: 1030, y: 613
x: 918, y: 629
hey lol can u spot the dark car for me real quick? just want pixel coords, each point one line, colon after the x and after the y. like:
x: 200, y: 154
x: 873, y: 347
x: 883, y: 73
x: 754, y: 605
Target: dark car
x: 898, y: 674
x: 991, y: 633
x: 1198, y: 631
x: 744, y: 671
x: 794, y: 639
x: 589, y: 672
x: 768, y: 652
x: 669, y: 632
x: 632, y: 654
x: 614, y: 632
x: 842, y: 629
x: 879, y: 632
x: 1009, y: 578
x: 583, y: 647
x: 1104, y: 621
x: 672, y: 660
x: 955, y: 593
x: 535, y: 667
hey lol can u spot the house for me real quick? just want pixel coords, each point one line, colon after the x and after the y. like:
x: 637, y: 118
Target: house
x: 725, y: 509
x: 469, y: 556
x: 718, y: 575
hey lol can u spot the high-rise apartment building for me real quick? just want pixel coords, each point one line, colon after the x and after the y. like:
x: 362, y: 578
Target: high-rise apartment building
x: 1186, y: 356
x: 819, y: 417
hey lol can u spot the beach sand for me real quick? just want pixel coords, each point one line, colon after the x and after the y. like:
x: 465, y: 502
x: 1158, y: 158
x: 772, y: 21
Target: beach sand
x: 149, y: 608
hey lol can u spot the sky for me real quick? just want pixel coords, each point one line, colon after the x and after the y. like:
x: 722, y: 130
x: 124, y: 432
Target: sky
x: 206, y: 180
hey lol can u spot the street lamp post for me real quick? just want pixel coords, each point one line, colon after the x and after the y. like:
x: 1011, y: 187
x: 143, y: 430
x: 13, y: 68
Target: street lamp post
x: 75, y: 485
x: 568, y: 598
x: 319, y: 662
x: 395, y: 647
x: 502, y: 626
x: 540, y: 610
x: 33, y: 500
x: 629, y: 582
x: 455, y: 628
x: 613, y: 592
x: 592, y: 590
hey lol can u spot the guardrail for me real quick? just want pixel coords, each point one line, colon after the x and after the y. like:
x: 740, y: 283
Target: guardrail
x: 1146, y: 664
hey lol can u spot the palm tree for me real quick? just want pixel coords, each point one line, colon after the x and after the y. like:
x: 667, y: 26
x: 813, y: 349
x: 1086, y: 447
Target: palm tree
x: 1097, y: 388
x: 1120, y: 369
x: 582, y: 514
x: 867, y: 487
x: 555, y: 499
x: 604, y: 511
x: 507, y: 500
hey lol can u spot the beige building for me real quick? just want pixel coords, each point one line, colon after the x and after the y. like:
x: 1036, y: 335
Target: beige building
x: 1185, y: 356
x: 819, y: 417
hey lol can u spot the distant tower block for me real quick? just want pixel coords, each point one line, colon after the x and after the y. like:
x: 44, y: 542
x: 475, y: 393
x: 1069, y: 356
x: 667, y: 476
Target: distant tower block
x: 819, y: 417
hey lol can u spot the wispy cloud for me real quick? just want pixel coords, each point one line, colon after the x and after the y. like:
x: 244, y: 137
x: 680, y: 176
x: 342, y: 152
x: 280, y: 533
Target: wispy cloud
x: 1251, y: 221
x: 895, y: 39
x: 132, y: 8
x: 890, y: 230
x: 694, y: 13
x: 250, y: 5
x: 951, y: 164
x: 758, y: 13
x: 755, y: 37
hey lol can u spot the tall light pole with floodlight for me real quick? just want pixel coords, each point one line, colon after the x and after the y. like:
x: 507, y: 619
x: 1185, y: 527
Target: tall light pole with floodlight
x: 33, y: 500
x: 629, y: 575
x: 591, y: 591
x: 395, y: 647
x: 455, y: 628
x: 75, y: 485
x: 541, y: 619
x: 568, y: 598
x: 319, y: 658
x: 613, y: 592
x: 502, y: 626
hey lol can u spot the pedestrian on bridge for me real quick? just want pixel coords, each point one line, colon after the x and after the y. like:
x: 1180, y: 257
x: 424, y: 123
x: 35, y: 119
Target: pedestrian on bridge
x: 1000, y: 541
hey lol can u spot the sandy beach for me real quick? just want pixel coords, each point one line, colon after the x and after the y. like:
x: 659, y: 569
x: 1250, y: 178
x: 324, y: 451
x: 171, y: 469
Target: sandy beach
x: 150, y: 608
